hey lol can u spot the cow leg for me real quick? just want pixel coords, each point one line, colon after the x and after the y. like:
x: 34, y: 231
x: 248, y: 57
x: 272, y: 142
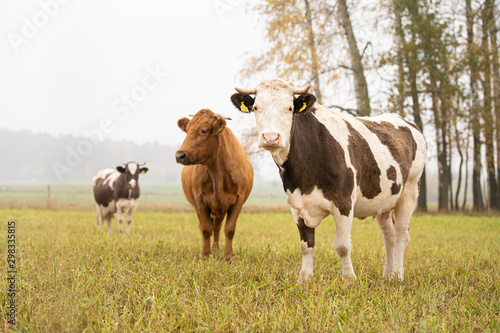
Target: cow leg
x: 403, y: 211
x: 119, y: 213
x: 386, y: 225
x: 129, y: 216
x: 217, y: 223
x: 206, y: 229
x: 307, y: 246
x: 109, y: 219
x: 342, y: 243
x: 100, y: 216
x: 230, y: 228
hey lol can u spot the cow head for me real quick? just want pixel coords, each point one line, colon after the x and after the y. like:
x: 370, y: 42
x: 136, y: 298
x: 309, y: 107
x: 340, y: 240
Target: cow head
x: 131, y: 172
x: 202, y: 137
x: 275, y: 104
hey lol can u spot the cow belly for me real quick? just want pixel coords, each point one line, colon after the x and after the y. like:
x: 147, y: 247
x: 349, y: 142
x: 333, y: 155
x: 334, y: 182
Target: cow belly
x: 312, y: 207
x: 109, y: 210
x: 126, y: 206
x: 372, y: 207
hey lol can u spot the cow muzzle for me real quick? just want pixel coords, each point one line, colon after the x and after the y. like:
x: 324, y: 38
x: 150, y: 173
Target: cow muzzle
x: 181, y: 157
x: 270, y: 140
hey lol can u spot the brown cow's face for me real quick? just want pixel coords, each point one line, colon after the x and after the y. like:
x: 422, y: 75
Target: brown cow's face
x: 202, y: 140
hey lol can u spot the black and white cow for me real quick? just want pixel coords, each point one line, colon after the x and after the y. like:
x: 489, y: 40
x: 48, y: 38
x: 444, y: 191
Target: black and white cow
x: 117, y: 191
x: 332, y: 163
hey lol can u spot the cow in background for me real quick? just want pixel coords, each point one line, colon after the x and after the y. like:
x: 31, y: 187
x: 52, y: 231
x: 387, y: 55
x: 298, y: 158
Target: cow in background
x: 333, y: 163
x: 117, y: 191
x: 217, y: 177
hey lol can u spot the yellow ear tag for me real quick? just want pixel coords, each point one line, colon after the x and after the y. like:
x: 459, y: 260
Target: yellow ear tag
x: 243, y: 107
x: 303, y: 107
x: 220, y: 129
x: 143, y: 172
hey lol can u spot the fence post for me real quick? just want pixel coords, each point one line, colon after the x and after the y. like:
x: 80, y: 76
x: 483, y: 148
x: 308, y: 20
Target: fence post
x: 48, y: 195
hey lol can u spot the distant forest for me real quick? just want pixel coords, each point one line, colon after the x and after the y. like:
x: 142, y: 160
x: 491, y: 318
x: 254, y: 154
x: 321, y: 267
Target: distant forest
x: 37, y: 156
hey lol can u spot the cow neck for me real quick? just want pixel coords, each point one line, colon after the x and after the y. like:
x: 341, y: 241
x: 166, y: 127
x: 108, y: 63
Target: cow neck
x: 312, y: 151
x: 217, y: 167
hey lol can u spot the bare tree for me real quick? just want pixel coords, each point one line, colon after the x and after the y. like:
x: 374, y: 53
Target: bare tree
x: 360, y: 85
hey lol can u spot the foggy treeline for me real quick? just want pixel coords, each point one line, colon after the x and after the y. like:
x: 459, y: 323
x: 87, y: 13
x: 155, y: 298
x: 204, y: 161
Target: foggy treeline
x: 43, y: 157
x: 433, y: 62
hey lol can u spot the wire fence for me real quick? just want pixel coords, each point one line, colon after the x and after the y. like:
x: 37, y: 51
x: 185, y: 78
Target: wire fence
x: 154, y: 196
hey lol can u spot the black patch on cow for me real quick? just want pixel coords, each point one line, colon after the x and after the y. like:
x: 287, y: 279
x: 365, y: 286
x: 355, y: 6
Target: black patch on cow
x: 392, y: 175
x: 368, y: 172
x: 317, y: 159
x: 247, y: 100
x: 306, y: 233
x: 103, y: 193
x: 303, y: 103
x: 399, y: 141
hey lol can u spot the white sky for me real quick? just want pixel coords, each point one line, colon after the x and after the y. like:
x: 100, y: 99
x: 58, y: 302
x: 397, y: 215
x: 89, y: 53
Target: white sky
x: 67, y: 66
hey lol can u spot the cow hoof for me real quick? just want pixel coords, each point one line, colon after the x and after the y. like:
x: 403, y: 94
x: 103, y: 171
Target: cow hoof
x: 304, y: 277
x: 349, y: 278
x: 392, y: 276
x: 228, y: 259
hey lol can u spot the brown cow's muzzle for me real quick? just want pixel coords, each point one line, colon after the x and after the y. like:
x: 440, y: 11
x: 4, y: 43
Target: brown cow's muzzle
x: 181, y: 157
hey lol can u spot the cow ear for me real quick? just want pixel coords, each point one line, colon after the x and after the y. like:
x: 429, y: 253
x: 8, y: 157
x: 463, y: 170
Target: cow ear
x: 144, y: 170
x: 243, y: 102
x: 303, y: 102
x: 182, y: 123
x: 219, y: 125
x: 120, y: 169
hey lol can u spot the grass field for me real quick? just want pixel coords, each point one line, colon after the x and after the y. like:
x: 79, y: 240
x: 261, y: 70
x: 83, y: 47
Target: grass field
x: 72, y: 278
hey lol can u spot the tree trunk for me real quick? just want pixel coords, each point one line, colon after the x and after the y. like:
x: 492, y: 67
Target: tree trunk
x: 460, y: 153
x: 411, y: 60
x: 477, y: 195
x: 496, y: 92
x: 489, y: 126
x: 400, y: 57
x: 360, y: 86
x: 466, y: 185
x: 312, y: 48
x: 442, y: 154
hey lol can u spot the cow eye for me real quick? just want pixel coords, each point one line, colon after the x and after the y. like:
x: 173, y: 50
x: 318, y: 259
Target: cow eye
x: 204, y: 131
x: 290, y: 109
x: 255, y: 108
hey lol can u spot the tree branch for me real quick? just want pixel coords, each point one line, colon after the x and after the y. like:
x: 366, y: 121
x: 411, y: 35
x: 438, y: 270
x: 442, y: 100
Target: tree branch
x: 352, y: 112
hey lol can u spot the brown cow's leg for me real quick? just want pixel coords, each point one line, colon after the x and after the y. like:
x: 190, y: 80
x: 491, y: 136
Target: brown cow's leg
x: 230, y: 228
x: 206, y: 229
x: 217, y: 223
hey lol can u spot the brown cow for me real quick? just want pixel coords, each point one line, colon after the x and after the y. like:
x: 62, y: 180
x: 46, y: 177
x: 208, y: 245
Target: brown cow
x: 217, y: 177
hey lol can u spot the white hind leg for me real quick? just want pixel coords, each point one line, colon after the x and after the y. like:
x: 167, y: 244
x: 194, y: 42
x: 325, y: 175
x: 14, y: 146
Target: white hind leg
x: 403, y: 211
x: 386, y: 224
x: 98, y: 221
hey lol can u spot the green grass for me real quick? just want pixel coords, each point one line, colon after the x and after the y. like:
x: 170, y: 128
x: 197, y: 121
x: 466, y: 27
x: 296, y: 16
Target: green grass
x: 74, y: 278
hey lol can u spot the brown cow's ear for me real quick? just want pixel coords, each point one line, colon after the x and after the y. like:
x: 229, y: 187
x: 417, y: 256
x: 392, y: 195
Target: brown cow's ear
x: 243, y: 102
x: 182, y: 123
x: 303, y: 102
x: 219, y: 125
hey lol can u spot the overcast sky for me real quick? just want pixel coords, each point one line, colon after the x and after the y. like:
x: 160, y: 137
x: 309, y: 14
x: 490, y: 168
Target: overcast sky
x: 121, y: 69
